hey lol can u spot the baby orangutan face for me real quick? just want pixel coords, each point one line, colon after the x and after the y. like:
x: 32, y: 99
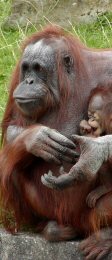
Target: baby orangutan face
x: 95, y: 115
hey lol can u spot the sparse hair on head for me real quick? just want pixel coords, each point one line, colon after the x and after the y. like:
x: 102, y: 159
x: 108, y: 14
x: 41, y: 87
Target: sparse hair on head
x: 105, y: 91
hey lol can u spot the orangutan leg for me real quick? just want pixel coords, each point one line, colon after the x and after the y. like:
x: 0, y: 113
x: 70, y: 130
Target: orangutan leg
x: 54, y: 232
x: 49, y: 229
x: 99, y: 245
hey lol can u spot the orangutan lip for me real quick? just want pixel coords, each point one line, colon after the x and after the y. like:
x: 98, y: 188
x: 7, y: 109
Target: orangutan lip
x: 22, y: 100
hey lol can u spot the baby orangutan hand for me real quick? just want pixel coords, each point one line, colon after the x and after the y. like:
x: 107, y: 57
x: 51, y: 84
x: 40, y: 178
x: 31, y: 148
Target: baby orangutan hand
x: 85, y: 128
x: 94, y: 151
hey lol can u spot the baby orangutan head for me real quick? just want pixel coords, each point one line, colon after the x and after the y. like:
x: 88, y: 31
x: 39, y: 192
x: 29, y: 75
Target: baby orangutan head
x: 100, y: 110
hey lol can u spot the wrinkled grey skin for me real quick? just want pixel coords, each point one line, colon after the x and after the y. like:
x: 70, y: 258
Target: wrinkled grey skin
x: 94, y: 152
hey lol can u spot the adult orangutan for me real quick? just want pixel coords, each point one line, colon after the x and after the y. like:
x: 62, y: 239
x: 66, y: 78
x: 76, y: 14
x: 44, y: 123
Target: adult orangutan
x: 49, y: 89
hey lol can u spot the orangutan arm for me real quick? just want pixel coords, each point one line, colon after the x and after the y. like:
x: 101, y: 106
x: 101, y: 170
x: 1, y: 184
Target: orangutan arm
x: 94, y: 151
x: 12, y: 132
x: 43, y: 142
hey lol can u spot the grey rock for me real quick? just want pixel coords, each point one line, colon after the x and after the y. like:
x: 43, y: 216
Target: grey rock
x: 64, y: 12
x: 26, y: 246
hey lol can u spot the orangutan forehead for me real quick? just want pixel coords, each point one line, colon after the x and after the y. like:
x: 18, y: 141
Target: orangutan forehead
x: 44, y: 47
x: 96, y: 102
x: 39, y: 48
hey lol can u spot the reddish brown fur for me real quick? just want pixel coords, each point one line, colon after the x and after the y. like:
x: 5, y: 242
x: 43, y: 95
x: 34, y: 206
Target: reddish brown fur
x: 104, y: 91
x: 48, y: 204
x: 107, y: 113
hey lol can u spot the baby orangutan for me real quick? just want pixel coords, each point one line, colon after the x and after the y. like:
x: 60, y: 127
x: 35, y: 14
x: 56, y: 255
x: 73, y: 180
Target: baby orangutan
x: 99, y: 113
x: 99, y: 123
x: 94, y: 152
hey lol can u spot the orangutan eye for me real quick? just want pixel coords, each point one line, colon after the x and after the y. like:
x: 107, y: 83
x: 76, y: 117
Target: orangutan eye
x: 25, y: 67
x: 38, y: 67
x: 68, y: 62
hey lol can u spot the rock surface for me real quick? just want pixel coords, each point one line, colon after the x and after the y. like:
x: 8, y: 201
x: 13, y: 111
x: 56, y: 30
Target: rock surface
x: 62, y: 12
x: 27, y: 246
x: 32, y: 247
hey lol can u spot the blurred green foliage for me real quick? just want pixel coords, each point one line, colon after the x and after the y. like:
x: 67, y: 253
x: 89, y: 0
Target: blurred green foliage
x: 97, y: 34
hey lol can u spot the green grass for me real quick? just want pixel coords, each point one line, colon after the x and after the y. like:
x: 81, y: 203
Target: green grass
x: 98, y: 35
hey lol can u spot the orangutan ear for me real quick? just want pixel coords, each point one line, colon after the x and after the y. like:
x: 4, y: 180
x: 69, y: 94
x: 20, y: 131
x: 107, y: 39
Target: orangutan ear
x: 68, y: 62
